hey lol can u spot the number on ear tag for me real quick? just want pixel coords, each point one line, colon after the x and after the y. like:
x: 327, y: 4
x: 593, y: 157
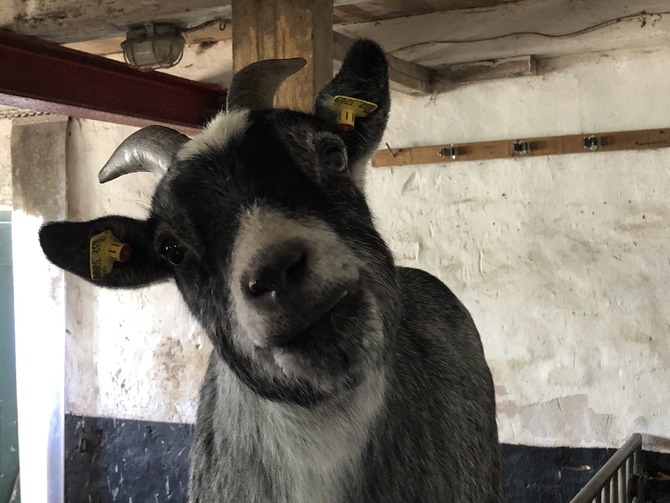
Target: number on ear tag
x: 348, y: 109
x: 105, y: 249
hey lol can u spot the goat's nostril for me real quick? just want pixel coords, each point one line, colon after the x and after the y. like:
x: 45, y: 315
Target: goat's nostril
x: 295, y: 268
x: 279, y: 275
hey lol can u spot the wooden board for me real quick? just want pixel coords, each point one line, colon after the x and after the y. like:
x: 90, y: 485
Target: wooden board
x: 64, y: 21
x: 405, y: 76
x: 67, y: 21
x: 542, y: 28
x: 491, y: 69
x: 376, y: 10
x: 543, y: 146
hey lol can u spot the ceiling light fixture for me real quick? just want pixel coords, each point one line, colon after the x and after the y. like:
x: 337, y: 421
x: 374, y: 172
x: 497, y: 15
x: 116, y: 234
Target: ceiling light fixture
x: 153, y: 46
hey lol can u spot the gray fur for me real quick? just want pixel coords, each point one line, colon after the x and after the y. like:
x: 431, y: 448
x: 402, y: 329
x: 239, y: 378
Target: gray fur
x: 336, y: 377
x: 405, y: 435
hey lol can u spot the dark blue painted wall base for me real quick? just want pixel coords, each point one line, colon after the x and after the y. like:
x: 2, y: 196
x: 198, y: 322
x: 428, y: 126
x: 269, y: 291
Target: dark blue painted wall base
x: 544, y: 474
x: 114, y: 460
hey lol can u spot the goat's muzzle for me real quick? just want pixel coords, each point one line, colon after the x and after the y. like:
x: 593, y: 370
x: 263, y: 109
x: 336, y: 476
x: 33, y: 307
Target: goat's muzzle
x: 286, y: 296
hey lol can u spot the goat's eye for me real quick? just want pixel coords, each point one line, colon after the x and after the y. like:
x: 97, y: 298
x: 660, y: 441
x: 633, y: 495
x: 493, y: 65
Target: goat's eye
x: 173, y: 252
x: 333, y: 158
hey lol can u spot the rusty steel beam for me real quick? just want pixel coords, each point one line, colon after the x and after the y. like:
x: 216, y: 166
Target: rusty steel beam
x: 44, y: 76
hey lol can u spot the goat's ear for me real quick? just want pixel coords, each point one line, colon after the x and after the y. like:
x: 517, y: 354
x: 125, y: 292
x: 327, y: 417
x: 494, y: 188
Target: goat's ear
x: 363, y: 75
x: 67, y: 245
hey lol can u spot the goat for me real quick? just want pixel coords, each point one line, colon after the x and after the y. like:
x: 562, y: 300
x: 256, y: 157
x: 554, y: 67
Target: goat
x: 335, y: 375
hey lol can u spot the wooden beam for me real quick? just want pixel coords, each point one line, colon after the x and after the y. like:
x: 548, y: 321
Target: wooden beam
x: 544, y: 28
x: 106, y: 46
x: 542, y: 146
x: 492, y: 69
x: 266, y: 29
x: 62, y: 22
x: 377, y: 10
x: 405, y: 76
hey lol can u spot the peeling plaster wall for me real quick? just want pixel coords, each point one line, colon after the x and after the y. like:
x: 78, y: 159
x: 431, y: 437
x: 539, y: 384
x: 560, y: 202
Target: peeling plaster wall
x: 135, y: 353
x: 563, y: 261
x: 5, y: 163
x: 130, y: 353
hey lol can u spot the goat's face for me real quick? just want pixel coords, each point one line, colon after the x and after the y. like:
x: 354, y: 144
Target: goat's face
x: 274, y: 250
x: 262, y: 222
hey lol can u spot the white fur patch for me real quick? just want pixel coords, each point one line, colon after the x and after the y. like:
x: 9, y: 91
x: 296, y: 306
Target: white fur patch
x: 359, y: 172
x: 308, y: 452
x: 217, y: 134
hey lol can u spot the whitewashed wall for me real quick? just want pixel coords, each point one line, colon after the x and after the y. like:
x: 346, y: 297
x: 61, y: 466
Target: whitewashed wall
x: 563, y: 261
x: 5, y: 163
x: 130, y: 353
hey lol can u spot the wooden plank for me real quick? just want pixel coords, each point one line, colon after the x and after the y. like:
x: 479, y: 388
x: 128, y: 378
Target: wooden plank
x: 215, y: 32
x: 541, y: 146
x: 266, y: 29
x: 405, y: 76
x: 543, y: 28
x: 65, y: 21
x: 100, y: 47
x: 105, y: 46
x: 210, y: 33
x: 62, y: 22
x: 377, y: 10
x: 492, y: 69
x: 346, y: 14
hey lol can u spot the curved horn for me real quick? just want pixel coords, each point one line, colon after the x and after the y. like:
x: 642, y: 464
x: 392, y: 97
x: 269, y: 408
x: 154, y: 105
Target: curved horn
x: 255, y: 85
x: 149, y: 149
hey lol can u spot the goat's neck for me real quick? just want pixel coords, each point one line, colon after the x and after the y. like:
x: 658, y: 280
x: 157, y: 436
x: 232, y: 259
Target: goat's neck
x: 311, y: 447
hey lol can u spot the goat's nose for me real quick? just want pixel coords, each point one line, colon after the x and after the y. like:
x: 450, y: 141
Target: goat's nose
x: 278, y: 273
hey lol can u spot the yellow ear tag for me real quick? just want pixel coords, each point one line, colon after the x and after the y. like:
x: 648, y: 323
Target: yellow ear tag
x: 348, y: 109
x: 105, y: 249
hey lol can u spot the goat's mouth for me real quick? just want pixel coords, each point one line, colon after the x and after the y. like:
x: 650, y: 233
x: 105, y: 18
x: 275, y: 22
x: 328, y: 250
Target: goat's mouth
x: 326, y: 351
x: 332, y: 352
x: 340, y: 314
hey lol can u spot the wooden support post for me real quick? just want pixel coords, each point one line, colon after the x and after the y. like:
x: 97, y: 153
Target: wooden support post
x: 266, y: 29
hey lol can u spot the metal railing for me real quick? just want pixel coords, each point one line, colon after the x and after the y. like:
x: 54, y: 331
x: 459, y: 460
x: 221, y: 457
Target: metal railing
x: 610, y: 483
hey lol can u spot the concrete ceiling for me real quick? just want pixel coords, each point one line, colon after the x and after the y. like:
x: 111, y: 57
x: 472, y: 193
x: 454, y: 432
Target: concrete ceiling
x: 451, y: 39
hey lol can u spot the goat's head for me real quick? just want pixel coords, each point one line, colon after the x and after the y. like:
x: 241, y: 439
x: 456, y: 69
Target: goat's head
x: 262, y: 222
